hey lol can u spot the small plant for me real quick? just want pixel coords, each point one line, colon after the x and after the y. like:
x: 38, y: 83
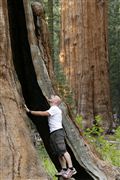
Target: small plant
x: 109, y: 151
x: 47, y: 163
x: 96, y: 129
x: 117, y: 134
x: 78, y: 120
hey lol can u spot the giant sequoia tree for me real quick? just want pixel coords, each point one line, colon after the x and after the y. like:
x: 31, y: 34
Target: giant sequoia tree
x: 23, y: 75
x: 18, y: 159
x: 84, y: 57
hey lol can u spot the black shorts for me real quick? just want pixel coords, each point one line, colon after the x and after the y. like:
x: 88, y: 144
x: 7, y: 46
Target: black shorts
x: 57, y: 142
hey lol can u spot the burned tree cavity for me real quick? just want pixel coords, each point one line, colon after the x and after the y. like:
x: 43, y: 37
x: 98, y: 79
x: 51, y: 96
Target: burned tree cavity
x: 24, y: 68
x: 32, y: 93
x: 34, y: 80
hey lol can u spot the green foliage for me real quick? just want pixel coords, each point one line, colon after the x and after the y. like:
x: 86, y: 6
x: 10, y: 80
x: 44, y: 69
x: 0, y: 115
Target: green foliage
x: 117, y: 134
x: 96, y: 129
x: 47, y: 163
x: 78, y: 120
x: 107, y: 146
x: 108, y: 150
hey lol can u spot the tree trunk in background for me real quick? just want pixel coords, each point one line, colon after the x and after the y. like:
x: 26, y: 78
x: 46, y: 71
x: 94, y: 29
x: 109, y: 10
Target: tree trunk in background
x: 19, y: 49
x: 84, y: 56
x: 50, y: 26
x: 18, y: 158
x: 114, y: 54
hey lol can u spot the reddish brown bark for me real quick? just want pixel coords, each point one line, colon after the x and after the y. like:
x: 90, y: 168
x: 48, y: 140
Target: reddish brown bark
x: 84, y: 56
x: 19, y: 50
x: 18, y: 157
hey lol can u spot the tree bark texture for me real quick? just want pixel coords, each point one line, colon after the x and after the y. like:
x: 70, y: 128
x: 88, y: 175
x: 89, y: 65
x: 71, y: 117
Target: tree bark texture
x: 51, y: 26
x: 88, y: 165
x: 84, y: 56
x: 19, y: 49
x: 18, y: 157
x: 43, y: 35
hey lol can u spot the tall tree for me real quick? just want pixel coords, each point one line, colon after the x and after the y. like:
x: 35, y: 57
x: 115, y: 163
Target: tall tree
x: 18, y: 158
x: 50, y: 25
x: 114, y: 55
x: 19, y: 49
x: 53, y: 18
x: 84, y: 56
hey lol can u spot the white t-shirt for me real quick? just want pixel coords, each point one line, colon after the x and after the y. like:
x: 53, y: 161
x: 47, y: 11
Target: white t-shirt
x: 55, y: 118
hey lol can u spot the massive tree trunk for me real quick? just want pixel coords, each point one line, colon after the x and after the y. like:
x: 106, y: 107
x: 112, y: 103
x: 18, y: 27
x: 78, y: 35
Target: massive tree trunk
x: 85, y: 58
x: 18, y: 158
x: 19, y: 50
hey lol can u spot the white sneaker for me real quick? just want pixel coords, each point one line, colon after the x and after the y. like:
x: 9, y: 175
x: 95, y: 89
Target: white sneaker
x: 60, y: 173
x: 69, y: 173
x: 74, y: 171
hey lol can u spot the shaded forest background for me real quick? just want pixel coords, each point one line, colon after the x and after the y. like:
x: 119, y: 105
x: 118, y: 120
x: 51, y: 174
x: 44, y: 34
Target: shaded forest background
x: 52, y: 12
x: 114, y: 55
